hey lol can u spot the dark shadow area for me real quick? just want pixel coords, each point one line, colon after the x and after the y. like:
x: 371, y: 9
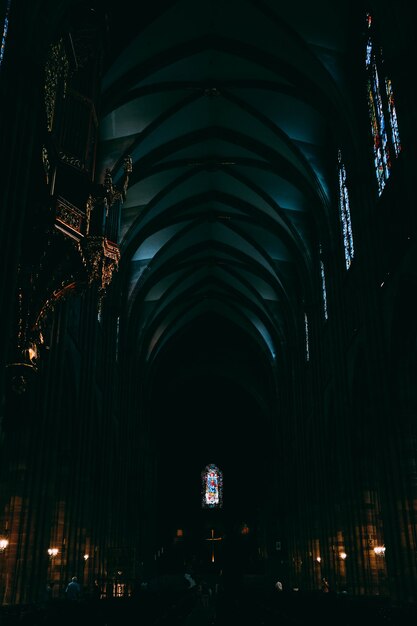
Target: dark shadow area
x: 254, y: 602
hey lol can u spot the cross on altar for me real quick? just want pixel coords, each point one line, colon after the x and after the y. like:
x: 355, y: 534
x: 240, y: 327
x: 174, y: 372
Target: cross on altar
x: 213, y: 539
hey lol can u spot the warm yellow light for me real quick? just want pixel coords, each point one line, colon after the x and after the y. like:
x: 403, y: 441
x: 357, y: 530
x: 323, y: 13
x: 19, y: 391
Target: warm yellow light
x: 86, y: 557
x: 53, y: 552
x: 3, y: 544
x: 379, y: 550
x: 32, y: 354
x: 318, y: 559
x: 343, y: 555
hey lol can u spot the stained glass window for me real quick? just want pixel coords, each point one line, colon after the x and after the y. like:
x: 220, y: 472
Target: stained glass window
x: 344, y: 209
x: 5, y: 29
x: 382, y: 111
x: 323, y: 285
x: 396, y: 142
x: 306, y: 337
x: 212, y: 487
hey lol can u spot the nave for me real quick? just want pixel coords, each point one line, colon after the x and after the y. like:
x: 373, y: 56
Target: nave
x: 255, y: 603
x: 209, y: 239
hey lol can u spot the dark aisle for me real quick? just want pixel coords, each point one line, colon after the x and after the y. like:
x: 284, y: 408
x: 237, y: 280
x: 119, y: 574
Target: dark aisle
x: 248, y: 606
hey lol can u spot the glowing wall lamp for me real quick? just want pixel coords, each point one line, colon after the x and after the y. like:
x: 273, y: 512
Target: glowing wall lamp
x: 379, y: 550
x: 3, y: 544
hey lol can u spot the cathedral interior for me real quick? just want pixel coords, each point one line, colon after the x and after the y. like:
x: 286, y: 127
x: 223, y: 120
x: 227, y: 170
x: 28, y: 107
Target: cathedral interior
x: 208, y: 229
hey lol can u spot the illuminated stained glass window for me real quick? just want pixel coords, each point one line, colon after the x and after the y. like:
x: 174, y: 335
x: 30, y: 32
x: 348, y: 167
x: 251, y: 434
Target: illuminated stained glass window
x: 344, y: 209
x: 5, y: 29
x: 323, y: 285
x: 382, y: 111
x: 396, y: 142
x: 306, y: 337
x: 212, y: 487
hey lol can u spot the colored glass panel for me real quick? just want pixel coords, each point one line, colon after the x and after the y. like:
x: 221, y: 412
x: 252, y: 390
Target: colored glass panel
x: 4, y: 33
x: 323, y: 289
x: 344, y: 210
x: 382, y: 111
x: 306, y: 337
x: 382, y: 160
x: 212, y: 491
x: 395, y: 133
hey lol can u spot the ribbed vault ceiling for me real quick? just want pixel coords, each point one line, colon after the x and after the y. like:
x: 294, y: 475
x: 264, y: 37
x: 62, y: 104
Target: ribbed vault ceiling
x: 229, y: 110
x: 233, y: 112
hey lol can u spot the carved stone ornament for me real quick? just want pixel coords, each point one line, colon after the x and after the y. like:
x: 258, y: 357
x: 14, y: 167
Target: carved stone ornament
x: 71, y: 160
x: 113, y: 193
x: 69, y: 215
x: 46, y: 163
x: 56, y: 70
x: 101, y: 258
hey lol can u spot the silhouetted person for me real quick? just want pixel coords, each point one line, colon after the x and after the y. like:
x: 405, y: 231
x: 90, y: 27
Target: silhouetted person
x: 96, y: 591
x: 47, y: 594
x: 205, y: 593
x: 73, y: 590
x: 190, y: 580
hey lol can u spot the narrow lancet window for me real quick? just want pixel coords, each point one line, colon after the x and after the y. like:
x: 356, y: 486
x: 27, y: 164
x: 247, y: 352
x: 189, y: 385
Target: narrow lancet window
x: 344, y: 210
x: 212, y: 487
x: 395, y: 133
x: 323, y: 286
x: 306, y: 337
x: 382, y: 111
x: 5, y: 29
